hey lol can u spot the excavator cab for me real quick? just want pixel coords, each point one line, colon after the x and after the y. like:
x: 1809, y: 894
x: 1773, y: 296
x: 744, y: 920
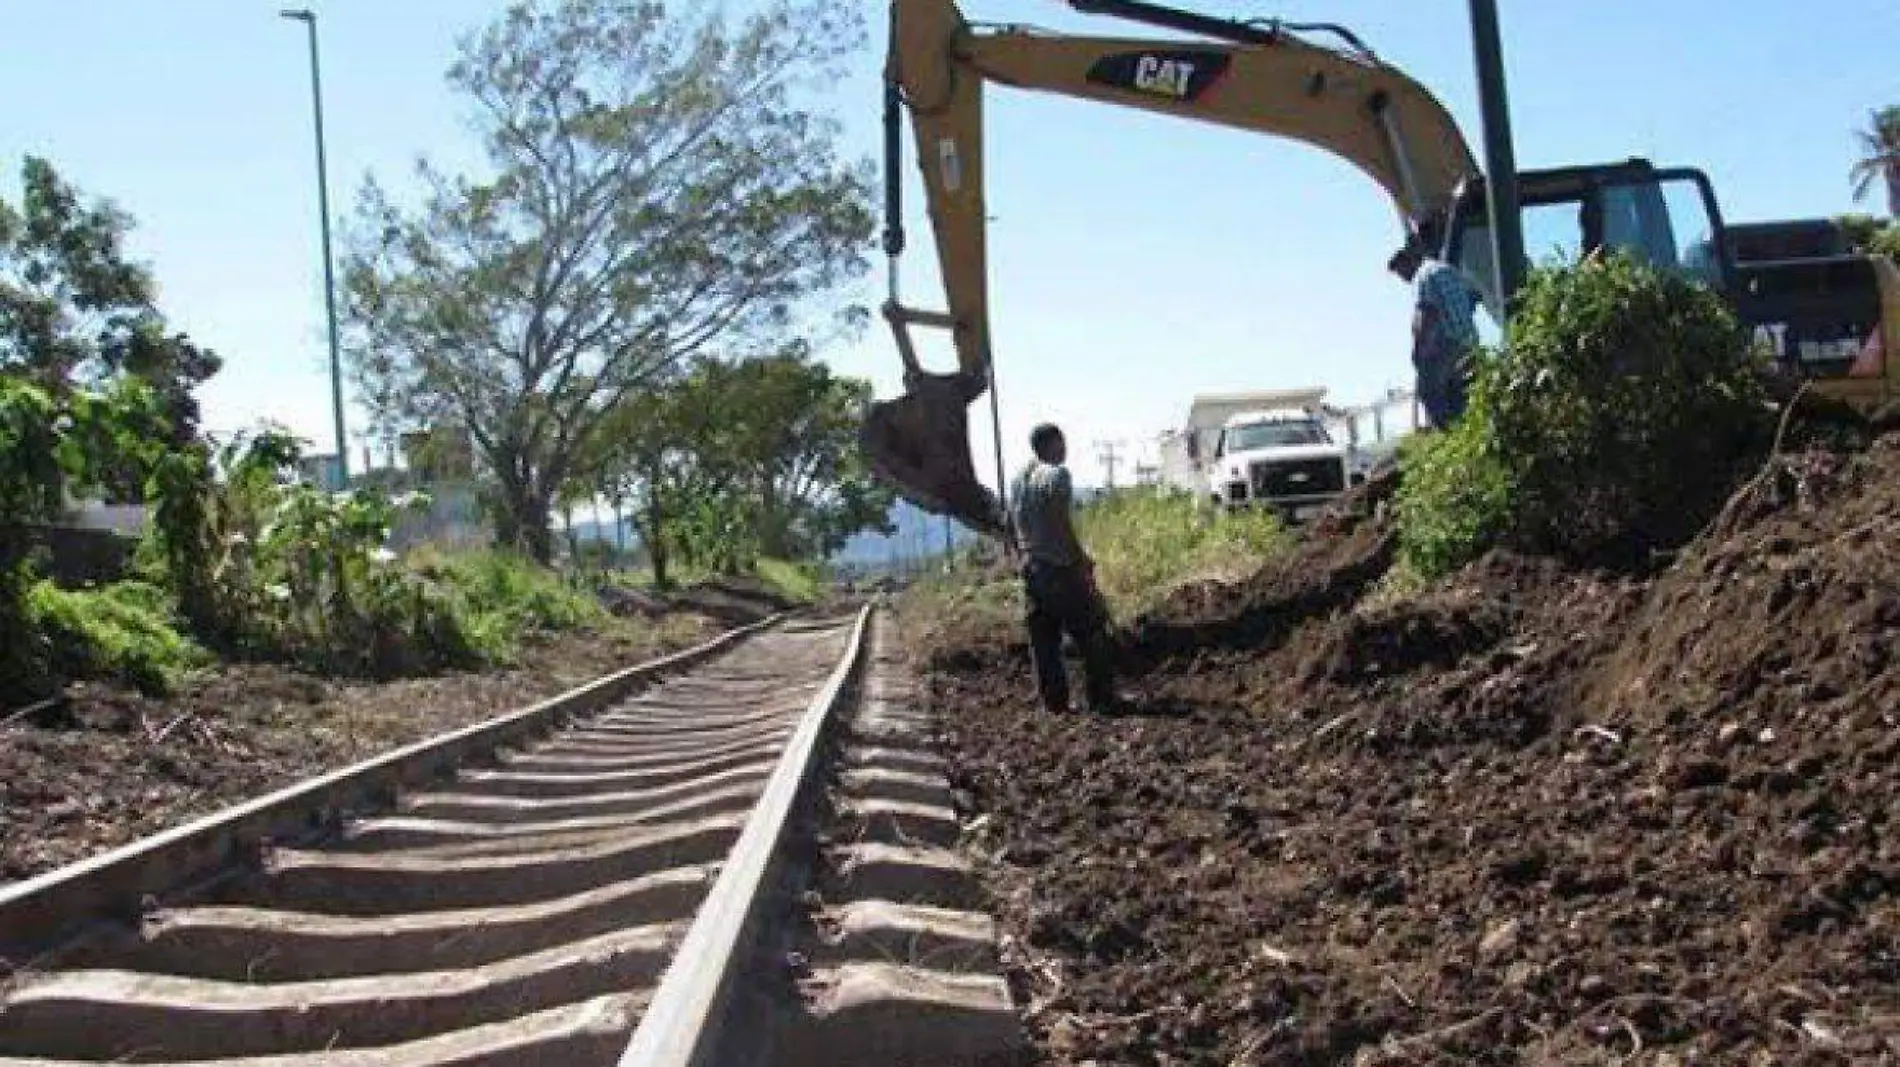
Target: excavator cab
x: 1824, y: 315
x: 1666, y: 217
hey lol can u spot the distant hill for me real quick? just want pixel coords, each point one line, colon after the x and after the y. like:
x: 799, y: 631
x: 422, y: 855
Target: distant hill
x: 920, y: 535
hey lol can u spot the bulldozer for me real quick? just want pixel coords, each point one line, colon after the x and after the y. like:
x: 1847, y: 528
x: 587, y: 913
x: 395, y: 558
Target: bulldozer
x: 1831, y: 318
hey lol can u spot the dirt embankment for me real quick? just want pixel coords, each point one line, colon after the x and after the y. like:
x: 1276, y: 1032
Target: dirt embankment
x: 1534, y: 816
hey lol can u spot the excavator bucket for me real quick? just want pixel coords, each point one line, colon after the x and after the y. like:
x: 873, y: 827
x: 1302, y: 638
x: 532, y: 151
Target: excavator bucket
x: 919, y: 443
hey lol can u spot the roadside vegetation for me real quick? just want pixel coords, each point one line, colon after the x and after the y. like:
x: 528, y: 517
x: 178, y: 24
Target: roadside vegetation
x: 1615, y: 418
x: 240, y: 559
x: 621, y: 305
x: 1145, y: 543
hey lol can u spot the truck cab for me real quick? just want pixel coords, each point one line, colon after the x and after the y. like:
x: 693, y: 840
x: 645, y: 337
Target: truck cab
x: 1282, y: 458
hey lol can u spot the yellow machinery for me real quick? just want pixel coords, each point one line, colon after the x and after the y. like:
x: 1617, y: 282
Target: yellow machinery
x: 1272, y: 78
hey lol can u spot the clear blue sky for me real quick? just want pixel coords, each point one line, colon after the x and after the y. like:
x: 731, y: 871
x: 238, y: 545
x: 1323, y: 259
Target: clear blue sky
x: 1179, y: 258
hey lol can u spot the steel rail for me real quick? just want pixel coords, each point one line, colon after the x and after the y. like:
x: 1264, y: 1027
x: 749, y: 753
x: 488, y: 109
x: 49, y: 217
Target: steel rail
x: 684, y: 1021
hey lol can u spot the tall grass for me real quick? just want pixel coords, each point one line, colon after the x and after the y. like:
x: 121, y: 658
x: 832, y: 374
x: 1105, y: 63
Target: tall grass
x: 1147, y: 542
x: 941, y: 610
x: 506, y: 597
x: 799, y: 581
x: 795, y: 581
x: 490, y: 602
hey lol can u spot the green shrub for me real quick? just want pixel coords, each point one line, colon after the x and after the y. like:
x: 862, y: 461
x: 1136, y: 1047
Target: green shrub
x: 265, y: 566
x: 52, y: 446
x: 1617, y: 416
x: 124, y: 631
x: 1623, y: 402
x: 511, y: 595
x: 795, y: 581
x: 1454, y: 500
x: 1146, y: 541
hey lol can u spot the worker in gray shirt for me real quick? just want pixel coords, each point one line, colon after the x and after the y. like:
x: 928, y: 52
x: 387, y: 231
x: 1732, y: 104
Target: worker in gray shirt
x: 1059, y: 579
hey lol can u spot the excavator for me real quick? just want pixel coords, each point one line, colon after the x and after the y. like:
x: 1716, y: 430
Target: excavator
x: 1317, y: 83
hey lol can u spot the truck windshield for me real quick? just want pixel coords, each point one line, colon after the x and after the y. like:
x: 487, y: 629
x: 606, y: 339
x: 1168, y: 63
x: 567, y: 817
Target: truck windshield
x: 1248, y: 437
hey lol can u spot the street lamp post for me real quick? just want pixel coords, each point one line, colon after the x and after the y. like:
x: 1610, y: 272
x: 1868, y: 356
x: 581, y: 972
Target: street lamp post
x: 309, y: 19
x: 1500, y: 160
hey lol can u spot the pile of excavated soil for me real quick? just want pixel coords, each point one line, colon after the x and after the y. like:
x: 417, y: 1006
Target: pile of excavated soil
x: 1348, y: 548
x: 733, y: 601
x: 114, y: 765
x: 1535, y: 815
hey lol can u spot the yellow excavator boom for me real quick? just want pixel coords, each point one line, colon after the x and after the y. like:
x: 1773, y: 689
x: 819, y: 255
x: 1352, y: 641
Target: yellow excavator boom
x: 1264, y: 79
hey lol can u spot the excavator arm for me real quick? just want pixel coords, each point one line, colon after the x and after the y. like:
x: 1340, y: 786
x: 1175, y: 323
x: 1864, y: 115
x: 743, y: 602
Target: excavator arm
x: 1248, y: 76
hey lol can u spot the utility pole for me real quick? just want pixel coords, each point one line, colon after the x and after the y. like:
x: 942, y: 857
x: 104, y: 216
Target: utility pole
x: 1109, y: 453
x: 309, y: 19
x: 1500, y: 160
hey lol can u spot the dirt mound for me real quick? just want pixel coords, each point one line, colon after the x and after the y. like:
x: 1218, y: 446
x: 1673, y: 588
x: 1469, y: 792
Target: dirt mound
x: 1536, y: 815
x: 731, y: 601
x: 1438, y: 630
x: 1338, y: 557
x: 1790, y: 604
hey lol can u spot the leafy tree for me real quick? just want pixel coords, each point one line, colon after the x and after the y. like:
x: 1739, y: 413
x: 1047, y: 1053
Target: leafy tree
x: 740, y: 459
x: 1879, y: 157
x: 1871, y: 235
x: 658, y: 186
x: 792, y: 427
x: 643, y: 459
x: 75, y: 313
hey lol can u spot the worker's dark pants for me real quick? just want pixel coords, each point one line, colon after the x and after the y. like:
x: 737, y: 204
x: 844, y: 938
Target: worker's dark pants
x: 1443, y: 378
x: 1062, y: 600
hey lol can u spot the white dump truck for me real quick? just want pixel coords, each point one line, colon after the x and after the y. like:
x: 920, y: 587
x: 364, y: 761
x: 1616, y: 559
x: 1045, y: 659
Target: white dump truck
x: 1284, y: 458
x: 1282, y: 448
x: 1259, y: 447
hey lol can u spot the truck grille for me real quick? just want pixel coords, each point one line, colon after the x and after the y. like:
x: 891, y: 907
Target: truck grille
x: 1297, y: 477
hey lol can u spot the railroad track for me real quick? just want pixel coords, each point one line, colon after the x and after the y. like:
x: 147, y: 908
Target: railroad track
x: 613, y: 876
